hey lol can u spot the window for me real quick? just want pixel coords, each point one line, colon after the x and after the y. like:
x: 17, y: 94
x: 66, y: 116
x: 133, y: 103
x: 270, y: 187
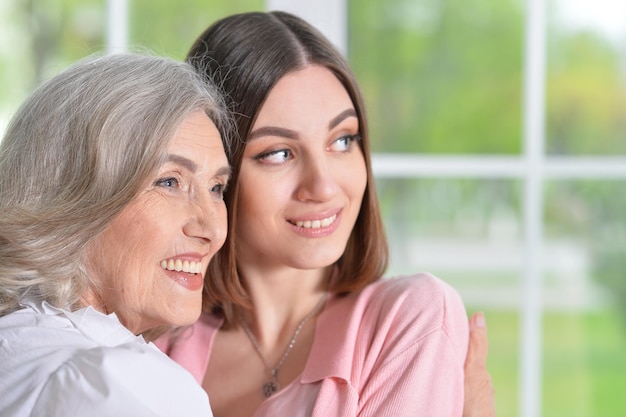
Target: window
x: 500, y: 163
x: 498, y: 130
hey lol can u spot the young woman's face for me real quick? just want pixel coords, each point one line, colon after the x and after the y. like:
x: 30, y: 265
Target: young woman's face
x: 151, y: 260
x: 302, y: 176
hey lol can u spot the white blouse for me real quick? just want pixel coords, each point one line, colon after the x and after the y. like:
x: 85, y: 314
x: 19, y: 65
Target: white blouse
x: 84, y: 363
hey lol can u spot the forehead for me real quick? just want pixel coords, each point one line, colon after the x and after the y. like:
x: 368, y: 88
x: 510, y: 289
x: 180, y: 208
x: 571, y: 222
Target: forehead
x: 198, y: 139
x: 194, y: 128
x: 314, y: 88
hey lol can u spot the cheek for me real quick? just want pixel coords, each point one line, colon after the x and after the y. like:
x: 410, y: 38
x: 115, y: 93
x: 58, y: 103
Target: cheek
x: 117, y: 253
x: 363, y: 179
x: 355, y: 178
x: 250, y: 207
x: 259, y: 192
x: 221, y: 227
x: 149, y: 221
x: 133, y: 236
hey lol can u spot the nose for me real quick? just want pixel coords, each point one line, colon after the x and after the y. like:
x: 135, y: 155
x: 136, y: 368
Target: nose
x: 207, y: 220
x: 317, y: 179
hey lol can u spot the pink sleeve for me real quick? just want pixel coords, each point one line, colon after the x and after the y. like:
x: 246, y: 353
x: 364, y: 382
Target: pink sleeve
x: 425, y: 377
x: 191, y: 348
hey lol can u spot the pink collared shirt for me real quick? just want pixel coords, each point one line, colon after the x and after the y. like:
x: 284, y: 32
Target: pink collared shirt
x: 395, y: 349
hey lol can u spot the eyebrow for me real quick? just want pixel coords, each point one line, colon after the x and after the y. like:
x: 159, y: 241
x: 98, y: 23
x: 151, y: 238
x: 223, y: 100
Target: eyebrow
x: 224, y: 171
x: 193, y: 167
x: 272, y: 131
x: 341, y: 117
x: 182, y: 161
x: 290, y: 134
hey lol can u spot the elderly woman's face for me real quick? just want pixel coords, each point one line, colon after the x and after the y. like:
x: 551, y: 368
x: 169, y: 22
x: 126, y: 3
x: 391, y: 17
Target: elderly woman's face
x: 150, y: 262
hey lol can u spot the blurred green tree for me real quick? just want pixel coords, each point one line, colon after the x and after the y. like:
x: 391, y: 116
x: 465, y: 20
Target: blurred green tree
x: 440, y: 76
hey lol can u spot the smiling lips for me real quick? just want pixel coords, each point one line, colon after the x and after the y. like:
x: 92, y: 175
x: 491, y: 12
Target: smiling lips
x: 316, y: 224
x: 191, y: 277
x: 178, y: 265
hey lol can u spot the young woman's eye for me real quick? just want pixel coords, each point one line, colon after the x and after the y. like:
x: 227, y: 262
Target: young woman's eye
x: 278, y: 156
x: 344, y: 143
x: 169, y: 182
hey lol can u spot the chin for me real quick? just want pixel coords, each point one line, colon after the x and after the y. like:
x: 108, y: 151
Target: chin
x: 185, y: 315
x: 316, y: 262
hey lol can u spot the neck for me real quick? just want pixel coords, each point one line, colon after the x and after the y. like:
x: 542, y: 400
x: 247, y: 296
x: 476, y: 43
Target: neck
x: 281, y: 300
x: 272, y: 385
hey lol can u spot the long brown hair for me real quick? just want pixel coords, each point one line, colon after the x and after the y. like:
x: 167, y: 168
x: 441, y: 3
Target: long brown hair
x: 246, y: 55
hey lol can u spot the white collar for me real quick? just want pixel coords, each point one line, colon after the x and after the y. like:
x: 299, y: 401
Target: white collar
x: 105, y: 329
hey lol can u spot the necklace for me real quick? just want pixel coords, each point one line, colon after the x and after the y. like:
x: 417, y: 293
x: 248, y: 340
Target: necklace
x: 272, y: 386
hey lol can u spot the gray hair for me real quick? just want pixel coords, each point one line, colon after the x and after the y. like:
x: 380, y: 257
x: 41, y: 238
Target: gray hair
x: 77, y: 151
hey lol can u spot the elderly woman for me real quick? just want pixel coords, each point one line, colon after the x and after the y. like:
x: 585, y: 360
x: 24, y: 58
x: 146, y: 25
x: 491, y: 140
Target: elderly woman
x: 111, y: 183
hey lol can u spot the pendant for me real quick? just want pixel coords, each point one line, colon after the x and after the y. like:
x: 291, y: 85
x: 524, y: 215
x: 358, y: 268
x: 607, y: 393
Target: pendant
x: 270, y: 387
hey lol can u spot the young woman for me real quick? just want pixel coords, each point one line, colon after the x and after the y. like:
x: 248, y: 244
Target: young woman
x: 298, y: 321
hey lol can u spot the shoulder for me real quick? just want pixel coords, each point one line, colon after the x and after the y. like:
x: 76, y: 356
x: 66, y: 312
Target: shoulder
x: 419, y: 287
x: 411, y: 306
x: 411, y: 311
x: 45, y: 357
x: 132, y: 379
x: 393, y: 319
x: 421, y: 299
x: 191, y: 346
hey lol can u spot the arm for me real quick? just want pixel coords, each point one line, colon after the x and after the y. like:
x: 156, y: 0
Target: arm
x: 422, y: 372
x: 479, y: 393
x: 426, y: 380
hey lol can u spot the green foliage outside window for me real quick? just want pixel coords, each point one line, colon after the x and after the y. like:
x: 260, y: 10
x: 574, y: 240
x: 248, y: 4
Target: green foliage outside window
x: 45, y: 36
x: 439, y: 77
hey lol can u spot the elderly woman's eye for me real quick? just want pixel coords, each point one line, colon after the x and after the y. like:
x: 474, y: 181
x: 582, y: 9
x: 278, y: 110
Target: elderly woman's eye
x: 167, y: 182
x: 218, y: 190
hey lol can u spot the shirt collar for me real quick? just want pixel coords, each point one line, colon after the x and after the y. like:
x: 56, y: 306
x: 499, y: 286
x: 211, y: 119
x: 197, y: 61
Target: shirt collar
x: 105, y: 329
x: 333, y: 344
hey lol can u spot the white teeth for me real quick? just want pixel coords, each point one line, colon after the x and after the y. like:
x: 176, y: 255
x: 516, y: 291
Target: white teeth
x: 177, y: 265
x: 316, y: 224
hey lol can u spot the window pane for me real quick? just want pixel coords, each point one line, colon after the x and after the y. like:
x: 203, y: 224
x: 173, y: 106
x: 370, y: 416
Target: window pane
x: 39, y: 38
x: 586, y: 84
x: 440, y: 76
x: 169, y: 27
x: 585, y: 299
x: 467, y: 232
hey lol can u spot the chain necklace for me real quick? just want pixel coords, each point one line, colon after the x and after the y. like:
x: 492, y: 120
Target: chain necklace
x: 272, y: 386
